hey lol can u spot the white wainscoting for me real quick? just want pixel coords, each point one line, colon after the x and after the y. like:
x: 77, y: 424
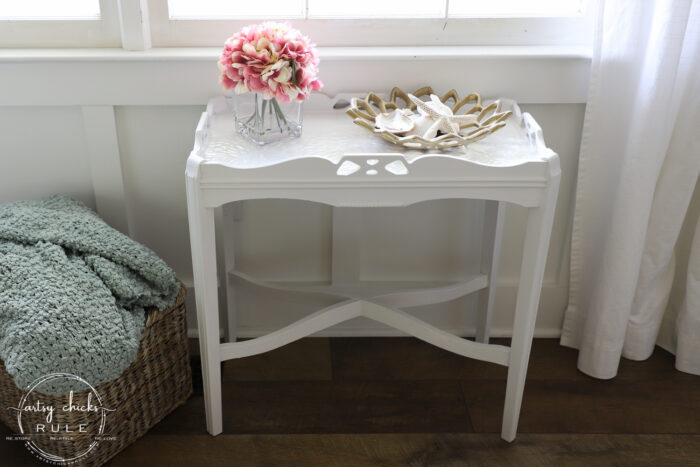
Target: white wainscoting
x: 114, y: 128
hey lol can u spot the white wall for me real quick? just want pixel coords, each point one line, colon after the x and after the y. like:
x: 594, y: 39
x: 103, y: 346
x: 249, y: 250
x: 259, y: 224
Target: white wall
x: 45, y: 150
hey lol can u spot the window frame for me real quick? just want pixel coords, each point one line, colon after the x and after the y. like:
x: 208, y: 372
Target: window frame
x: 333, y: 32
x: 122, y: 20
x: 63, y: 33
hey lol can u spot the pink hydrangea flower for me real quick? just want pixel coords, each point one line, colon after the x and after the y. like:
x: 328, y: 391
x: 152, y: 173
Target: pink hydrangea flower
x: 272, y: 59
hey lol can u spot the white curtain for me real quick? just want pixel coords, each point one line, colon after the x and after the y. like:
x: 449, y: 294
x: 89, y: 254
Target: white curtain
x: 639, y: 164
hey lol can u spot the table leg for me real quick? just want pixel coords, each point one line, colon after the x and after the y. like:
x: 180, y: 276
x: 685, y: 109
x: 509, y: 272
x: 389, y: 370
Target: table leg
x: 202, y: 238
x: 494, y: 213
x: 346, y: 257
x: 229, y: 216
x: 539, y: 227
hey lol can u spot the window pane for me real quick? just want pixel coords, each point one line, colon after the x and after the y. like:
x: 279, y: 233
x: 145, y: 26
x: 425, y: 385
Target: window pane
x: 377, y: 9
x: 515, y: 8
x: 189, y: 9
x: 49, y: 9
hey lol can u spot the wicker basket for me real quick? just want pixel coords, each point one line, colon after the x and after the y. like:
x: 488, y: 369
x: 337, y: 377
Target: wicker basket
x: 158, y: 381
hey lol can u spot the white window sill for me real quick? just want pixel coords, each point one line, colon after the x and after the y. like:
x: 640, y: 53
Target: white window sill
x: 189, y: 76
x: 326, y: 53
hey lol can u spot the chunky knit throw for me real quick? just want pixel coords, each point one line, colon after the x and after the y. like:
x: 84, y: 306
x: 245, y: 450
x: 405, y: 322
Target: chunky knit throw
x: 73, y: 293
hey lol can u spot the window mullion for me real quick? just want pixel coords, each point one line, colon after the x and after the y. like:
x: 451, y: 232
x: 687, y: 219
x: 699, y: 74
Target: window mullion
x: 134, y: 24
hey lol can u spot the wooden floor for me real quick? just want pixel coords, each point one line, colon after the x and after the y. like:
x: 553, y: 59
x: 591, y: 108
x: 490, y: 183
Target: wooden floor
x: 398, y: 401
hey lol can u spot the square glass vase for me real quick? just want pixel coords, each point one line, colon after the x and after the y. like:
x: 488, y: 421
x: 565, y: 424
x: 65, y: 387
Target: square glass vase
x: 266, y: 120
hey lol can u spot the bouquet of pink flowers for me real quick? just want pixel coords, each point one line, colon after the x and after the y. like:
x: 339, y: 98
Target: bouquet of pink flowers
x: 272, y: 59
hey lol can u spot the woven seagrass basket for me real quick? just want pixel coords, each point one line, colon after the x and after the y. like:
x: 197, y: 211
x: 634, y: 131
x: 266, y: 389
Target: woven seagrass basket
x: 158, y: 381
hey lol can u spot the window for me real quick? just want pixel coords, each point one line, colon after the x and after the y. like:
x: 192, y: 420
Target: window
x: 65, y: 23
x: 379, y: 22
x: 516, y: 8
x: 50, y: 10
x: 218, y: 9
x: 185, y: 23
x: 375, y: 9
x: 210, y: 9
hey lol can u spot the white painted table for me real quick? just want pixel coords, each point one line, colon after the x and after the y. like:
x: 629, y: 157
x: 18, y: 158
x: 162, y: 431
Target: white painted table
x: 341, y: 164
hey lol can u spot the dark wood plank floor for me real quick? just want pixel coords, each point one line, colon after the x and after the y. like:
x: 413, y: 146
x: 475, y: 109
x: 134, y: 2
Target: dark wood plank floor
x: 398, y: 401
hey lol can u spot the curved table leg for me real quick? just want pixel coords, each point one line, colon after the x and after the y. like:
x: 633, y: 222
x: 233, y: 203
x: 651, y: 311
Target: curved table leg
x: 202, y: 238
x: 494, y: 213
x: 229, y: 216
x: 537, y: 233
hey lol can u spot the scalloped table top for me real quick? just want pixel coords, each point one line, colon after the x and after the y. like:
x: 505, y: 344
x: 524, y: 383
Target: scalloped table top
x: 329, y: 134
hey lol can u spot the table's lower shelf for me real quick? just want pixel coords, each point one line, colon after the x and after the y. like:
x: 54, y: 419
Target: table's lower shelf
x: 392, y: 294
x: 355, y: 308
x: 379, y: 301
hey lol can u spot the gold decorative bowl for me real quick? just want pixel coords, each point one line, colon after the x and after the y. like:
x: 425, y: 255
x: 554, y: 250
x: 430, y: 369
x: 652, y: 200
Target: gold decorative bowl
x: 487, y: 119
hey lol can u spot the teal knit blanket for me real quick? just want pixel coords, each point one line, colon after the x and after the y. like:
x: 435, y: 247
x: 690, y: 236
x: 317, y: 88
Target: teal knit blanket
x: 73, y: 293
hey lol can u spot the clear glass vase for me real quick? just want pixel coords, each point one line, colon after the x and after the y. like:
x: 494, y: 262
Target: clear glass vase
x: 266, y: 120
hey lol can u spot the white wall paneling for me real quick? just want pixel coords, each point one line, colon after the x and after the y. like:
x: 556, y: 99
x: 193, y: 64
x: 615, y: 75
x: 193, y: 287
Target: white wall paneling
x: 154, y: 143
x: 105, y: 165
x: 158, y: 96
